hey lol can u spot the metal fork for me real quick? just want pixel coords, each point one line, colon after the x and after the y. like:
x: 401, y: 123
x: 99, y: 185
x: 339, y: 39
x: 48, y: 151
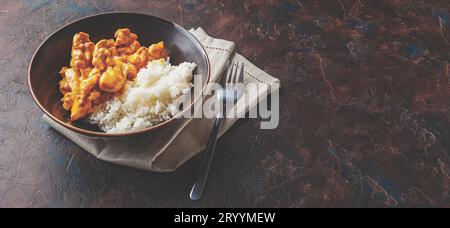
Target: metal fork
x: 231, y: 93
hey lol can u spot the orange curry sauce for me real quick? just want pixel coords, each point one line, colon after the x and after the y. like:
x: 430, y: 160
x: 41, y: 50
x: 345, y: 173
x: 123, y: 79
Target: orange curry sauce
x: 98, y: 72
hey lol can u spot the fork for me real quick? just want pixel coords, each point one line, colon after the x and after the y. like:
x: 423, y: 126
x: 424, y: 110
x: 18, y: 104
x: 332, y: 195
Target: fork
x: 231, y: 93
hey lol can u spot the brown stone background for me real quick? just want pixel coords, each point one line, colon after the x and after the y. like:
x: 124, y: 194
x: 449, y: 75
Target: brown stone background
x: 364, y: 109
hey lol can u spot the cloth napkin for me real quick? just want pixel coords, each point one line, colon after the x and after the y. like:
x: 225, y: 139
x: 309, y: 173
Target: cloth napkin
x: 182, y: 141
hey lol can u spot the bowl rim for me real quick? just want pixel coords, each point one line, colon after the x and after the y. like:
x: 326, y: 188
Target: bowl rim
x: 131, y: 133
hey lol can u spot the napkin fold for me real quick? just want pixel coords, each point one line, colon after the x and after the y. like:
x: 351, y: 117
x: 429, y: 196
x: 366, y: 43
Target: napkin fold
x: 179, y: 142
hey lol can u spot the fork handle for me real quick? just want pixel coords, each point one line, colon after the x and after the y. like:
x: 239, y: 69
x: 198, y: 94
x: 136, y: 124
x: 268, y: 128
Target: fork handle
x: 200, y: 184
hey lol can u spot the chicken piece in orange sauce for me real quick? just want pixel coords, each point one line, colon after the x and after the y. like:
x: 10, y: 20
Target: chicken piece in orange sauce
x: 83, y: 101
x: 126, y: 42
x: 104, y: 53
x: 124, y: 37
x: 157, y: 51
x: 129, y: 71
x: 98, y: 72
x: 82, y: 49
x: 140, y: 58
x: 112, y: 79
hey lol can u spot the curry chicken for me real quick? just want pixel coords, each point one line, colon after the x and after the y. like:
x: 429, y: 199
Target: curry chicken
x: 98, y: 72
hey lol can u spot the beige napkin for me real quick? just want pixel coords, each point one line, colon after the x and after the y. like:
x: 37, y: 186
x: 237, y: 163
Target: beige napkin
x: 180, y: 142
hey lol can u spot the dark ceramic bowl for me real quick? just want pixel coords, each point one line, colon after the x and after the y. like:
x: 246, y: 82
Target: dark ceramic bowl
x: 54, y: 53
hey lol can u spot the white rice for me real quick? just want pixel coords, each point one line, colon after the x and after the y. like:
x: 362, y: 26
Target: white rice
x: 152, y: 98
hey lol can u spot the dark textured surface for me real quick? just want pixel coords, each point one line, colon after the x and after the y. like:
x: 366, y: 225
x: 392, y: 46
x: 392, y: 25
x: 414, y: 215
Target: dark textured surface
x: 364, y: 109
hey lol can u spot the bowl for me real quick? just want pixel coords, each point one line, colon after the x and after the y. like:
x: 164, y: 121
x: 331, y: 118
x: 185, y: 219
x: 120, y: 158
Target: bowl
x: 54, y: 53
